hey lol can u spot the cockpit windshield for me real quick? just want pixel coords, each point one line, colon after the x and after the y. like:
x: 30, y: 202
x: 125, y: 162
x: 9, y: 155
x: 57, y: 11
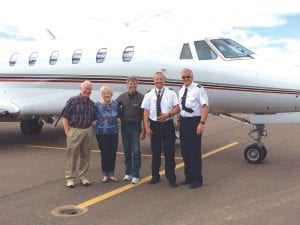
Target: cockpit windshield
x: 231, y: 49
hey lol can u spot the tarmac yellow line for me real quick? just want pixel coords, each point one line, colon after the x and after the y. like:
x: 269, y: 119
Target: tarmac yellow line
x: 124, y: 188
x: 96, y: 151
x: 9, y: 126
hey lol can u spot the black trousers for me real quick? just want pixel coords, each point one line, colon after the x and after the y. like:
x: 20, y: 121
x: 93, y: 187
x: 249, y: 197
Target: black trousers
x: 163, y: 138
x: 108, y: 144
x: 190, y: 144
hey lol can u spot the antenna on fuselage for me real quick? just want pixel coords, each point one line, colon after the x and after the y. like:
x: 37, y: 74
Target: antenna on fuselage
x: 51, y: 35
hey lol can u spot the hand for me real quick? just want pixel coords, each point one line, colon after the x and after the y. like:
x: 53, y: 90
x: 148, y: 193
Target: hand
x: 163, y: 117
x: 143, y: 135
x: 200, y: 129
x: 66, y: 131
x: 149, y: 131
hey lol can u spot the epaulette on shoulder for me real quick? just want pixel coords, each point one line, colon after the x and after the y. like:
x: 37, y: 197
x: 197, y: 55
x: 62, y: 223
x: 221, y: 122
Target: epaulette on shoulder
x: 171, y: 89
x: 199, y: 85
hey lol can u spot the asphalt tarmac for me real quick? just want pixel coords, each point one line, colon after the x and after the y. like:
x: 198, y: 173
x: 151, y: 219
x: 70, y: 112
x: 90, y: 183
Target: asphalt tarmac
x: 234, y: 192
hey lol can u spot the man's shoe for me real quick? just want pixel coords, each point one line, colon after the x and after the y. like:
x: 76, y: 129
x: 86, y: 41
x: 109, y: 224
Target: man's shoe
x: 84, y: 181
x: 154, y: 180
x: 135, y: 180
x: 185, y: 182
x: 173, y: 185
x: 195, y: 185
x: 70, y: 183
x: 127, y: 178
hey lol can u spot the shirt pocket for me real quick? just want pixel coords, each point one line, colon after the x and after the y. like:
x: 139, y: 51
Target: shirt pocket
x: 190, y: 101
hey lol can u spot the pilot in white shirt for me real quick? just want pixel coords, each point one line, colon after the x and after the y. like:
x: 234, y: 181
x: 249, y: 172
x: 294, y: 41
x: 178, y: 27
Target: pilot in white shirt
x: 194, y: 111
x: 160, y: 104
x: 196, y: 97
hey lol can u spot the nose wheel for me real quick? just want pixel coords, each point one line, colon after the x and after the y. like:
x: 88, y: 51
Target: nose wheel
x: 256, y: 152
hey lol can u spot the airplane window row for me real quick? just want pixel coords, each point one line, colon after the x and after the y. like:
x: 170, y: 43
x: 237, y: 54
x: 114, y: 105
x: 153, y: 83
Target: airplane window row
x: 100, y: 56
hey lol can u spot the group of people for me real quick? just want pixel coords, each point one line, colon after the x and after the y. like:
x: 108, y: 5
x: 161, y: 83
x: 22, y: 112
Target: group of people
x: 152, y: 114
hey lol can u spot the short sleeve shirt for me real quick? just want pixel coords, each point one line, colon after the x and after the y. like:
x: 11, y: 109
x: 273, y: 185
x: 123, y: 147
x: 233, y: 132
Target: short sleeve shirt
x: 79, y: 112
x: 107, y: 118
x: 195, y: 99
x: 168, y: 101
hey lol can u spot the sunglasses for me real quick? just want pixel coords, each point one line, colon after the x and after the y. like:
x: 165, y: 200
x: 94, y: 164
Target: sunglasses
x: 186, y: 77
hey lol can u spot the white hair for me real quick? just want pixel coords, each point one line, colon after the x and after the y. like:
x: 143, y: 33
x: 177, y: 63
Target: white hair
x: 106, y: 88
x: 85, y: 83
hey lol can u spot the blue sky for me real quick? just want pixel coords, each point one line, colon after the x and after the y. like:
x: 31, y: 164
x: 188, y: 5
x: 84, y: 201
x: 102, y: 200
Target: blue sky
x: 290, y: 29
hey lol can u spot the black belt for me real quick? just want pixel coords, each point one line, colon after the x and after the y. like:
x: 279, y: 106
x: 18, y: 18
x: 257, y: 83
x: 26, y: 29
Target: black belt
x: 189, y: 118
x: 162, y: 123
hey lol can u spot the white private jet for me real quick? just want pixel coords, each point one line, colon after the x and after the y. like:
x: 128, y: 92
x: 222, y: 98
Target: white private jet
x: 36, y: 83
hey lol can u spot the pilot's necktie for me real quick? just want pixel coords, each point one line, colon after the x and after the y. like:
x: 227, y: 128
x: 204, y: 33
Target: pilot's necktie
x: 189, y: 110
x: 158, y: 100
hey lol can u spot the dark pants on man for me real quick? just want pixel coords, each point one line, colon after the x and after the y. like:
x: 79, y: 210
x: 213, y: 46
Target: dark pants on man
x: 163, y: 138
x: 191, y: 149
x: 108, y: 144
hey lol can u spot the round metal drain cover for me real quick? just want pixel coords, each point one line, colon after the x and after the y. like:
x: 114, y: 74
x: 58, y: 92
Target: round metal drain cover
x: 69, y: 211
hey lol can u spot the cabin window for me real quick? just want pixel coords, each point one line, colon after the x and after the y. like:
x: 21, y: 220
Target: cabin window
x: 128, y: 53
x: 101, y: 55
x: 204, y: 52
x: 76, y: 56
x: 13, y: 59
x: 33, y: 58
x: 231, y: 49
x: 53, y: 58
x: 186, y: 52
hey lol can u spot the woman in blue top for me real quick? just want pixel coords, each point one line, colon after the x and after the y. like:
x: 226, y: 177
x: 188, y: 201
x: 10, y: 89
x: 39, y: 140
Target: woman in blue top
x: 108, y: 112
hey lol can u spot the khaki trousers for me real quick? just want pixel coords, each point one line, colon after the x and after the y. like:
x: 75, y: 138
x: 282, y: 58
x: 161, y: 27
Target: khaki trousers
x: 78, y: 144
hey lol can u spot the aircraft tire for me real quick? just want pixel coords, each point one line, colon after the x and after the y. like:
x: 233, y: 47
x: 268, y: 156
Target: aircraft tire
x: 29, y: 127
x: 255, y: 154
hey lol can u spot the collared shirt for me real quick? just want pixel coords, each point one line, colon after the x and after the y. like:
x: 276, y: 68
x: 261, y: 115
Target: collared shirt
x: 195, y: 99
x: 168, y: 101
x: 107, y: 118
x: 131, y: 107
x: 79, y: 112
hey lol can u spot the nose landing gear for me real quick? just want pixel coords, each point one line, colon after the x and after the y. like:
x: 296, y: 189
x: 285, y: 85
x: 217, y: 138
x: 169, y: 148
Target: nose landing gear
x: 256, y: 152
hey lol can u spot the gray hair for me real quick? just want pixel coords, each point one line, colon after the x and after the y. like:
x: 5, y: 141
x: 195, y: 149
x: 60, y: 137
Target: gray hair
x: 106, y: 88
x: 131, y: 78
x: 188, y: 70
x: 160, y: 74
x: 85, y: 83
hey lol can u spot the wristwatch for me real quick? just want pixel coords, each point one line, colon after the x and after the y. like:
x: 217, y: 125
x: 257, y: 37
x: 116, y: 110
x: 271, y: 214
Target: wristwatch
x: 202, y: 122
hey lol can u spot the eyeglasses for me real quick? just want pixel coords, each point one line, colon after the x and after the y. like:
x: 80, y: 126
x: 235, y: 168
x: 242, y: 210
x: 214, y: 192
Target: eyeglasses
x: 186, y: 77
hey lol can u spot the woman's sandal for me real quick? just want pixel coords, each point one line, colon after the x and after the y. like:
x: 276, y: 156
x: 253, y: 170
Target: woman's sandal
x: 113, y: 179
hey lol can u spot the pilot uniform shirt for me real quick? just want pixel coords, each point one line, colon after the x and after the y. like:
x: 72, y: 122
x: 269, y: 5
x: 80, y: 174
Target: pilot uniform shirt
x: 195, y: 99
x: 168, y: 101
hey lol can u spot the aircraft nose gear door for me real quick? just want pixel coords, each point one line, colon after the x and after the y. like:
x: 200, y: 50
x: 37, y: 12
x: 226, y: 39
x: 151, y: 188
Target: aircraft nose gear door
x: 256, y: 152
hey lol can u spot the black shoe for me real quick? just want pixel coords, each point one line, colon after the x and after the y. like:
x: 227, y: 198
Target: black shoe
x: 195, y: 185
x: 185, y: 182
x: 154, y: 180
x: 173, y: 185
